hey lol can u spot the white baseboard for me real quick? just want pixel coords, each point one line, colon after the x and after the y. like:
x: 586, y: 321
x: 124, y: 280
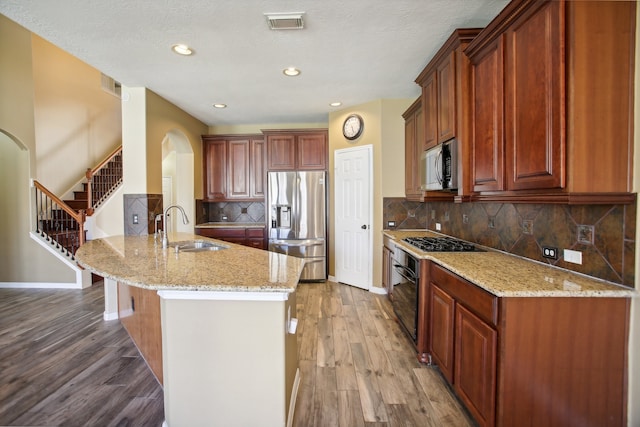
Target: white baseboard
x: 378, y: 290
x: 110, y: 316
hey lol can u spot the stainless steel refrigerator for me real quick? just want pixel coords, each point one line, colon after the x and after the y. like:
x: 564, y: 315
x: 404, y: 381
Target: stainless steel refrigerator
x: 297, y: 218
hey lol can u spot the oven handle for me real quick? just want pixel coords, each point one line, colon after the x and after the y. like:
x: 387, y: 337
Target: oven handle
x: 404, y: 271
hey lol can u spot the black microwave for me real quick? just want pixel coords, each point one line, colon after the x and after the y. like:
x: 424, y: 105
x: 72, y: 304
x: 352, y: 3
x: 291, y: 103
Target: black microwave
x: 439, y: 167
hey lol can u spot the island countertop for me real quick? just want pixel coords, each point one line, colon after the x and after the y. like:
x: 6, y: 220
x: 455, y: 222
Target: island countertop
x: 140, y: 261
x: 506, y: 275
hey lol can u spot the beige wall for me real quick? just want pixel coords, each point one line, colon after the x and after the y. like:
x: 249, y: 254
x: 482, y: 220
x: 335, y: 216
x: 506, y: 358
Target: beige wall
x: 384, y: 130
x: 163, y: 118
x: 78, y: 124
x: 21, y: 259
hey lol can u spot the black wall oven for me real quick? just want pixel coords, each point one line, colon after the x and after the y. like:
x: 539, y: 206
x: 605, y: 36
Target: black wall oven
x: 405, y: 294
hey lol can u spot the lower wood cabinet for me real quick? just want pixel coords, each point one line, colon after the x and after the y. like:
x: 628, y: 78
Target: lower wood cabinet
x: 250, y: 236
x: 529, y: 361
x: 462, y: 344
x: 139, y: 313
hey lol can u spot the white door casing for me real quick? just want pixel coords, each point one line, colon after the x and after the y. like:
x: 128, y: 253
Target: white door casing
x: 353, y: 215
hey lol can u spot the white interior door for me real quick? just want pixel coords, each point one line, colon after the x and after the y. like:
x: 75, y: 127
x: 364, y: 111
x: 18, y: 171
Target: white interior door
x: 353, y: 215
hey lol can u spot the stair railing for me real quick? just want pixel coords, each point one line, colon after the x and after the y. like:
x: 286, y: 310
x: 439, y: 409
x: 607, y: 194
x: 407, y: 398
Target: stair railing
x: 57, y: 223
x: 103, y: 180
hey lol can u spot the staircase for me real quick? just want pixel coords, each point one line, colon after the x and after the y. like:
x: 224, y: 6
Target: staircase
x: 61, y: 222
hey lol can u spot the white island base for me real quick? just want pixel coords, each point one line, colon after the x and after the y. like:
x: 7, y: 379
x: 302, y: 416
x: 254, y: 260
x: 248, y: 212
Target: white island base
x: 229, y: 358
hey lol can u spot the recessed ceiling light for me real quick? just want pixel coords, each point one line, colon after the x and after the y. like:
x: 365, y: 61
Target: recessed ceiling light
x: 182, y: 49
x: 291, y: 72
x: 335, y: 104
x: 220, y: 105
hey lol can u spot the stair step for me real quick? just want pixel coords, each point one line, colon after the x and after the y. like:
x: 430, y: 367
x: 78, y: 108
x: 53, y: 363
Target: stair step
x: 80, y: 195
x: 77, y: 204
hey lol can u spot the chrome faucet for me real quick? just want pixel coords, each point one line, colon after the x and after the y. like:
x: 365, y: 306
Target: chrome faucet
x: 165, y: 237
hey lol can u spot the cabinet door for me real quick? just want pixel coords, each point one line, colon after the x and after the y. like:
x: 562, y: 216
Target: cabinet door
x: 257, y: 170
x: 446, y: 91
x: 487, y: 119
x: 412, y: 150
x: 430, y: 111
x: 442, y: 329
x: 238, y: 169
x: 534, y: 94
x: 312, y: 151
x: 215, y: 158
x: 281, y: 152
x: 475, y: 365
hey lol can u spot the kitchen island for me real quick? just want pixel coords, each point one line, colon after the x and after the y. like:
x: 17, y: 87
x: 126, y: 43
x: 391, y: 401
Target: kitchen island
x: 224, y: 345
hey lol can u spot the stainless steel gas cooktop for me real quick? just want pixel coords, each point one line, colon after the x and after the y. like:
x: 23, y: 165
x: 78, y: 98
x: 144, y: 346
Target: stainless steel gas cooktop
x: 441, y: 244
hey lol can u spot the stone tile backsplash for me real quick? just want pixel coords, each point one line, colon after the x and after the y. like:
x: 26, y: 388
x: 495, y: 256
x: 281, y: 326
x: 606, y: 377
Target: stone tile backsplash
x: 144, y: 207
x: 605, y: 234
x: 229, y: 212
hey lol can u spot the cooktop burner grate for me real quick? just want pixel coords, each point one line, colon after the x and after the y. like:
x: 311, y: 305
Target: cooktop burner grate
x: 440, y: 244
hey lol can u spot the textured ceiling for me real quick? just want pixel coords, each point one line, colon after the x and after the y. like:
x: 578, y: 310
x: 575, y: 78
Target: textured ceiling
x: 353, y: 51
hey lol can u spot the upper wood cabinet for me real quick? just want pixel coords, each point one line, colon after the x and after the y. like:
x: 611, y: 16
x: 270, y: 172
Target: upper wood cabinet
x: 446, y: 98
x: 296, y: 149
x: 233, y: 167
x: 413, y: 137
x: 215, y: 168
x: 552, y: 96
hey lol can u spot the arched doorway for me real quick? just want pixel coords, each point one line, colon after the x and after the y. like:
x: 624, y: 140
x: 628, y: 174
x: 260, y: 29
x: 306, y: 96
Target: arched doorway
x: 177, y: 178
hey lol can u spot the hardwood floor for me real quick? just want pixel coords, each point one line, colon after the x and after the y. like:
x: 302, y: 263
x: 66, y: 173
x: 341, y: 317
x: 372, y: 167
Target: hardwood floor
x: 358, y: 368
x: 61, y: 364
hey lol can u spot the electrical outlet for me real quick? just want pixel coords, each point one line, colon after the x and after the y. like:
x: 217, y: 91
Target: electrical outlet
x: 135, y: 219
x: 391, y: 223
x: 438, y: 226
x: 574, y: 257
x: 549, y: 252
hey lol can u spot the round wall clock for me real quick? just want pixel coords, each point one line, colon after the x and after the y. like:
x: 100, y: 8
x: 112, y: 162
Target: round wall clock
x: 352, y: 127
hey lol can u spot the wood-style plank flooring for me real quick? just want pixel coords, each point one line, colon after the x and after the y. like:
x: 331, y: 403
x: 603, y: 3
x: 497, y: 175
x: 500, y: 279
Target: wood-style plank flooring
x: 61, y: 364
x: 358, y: 368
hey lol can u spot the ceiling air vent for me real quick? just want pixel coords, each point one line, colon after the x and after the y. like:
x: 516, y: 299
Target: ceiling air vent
x: 111, y: 86
x: 285, y: 21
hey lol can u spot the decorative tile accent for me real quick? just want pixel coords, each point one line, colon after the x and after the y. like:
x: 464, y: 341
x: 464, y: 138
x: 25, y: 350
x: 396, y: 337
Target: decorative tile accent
x: 605, y: 234
x: 527, y: 226
x: 585, y: 234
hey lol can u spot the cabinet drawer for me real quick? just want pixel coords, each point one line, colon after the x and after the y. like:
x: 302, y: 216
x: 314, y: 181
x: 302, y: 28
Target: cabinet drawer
x: 255, y: 232
x: 480, y: 302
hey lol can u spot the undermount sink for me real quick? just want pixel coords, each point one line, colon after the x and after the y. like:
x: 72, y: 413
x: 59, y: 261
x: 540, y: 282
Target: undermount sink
x: 197, y: 246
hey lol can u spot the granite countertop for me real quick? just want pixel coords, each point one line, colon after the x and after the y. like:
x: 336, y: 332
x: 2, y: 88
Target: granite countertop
x: 224, y: 224
x: 506, y: 275
x: 140, y: 261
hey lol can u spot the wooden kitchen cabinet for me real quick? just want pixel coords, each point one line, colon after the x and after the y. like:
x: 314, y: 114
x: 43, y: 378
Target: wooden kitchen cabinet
x: 529, y: 360
x: 296, y: 149
x: 446, y: 98
x: 254, y: 237
x: 215, y: 169
x: 139, y: 313
x: 542, y: 107
x: 234, y: 167
x: 462, y: 344
x: 442, y: 330
x: 413, y: 137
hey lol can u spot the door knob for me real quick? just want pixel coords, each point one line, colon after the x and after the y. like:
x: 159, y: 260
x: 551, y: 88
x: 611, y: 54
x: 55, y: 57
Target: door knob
x: 364, y: 226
